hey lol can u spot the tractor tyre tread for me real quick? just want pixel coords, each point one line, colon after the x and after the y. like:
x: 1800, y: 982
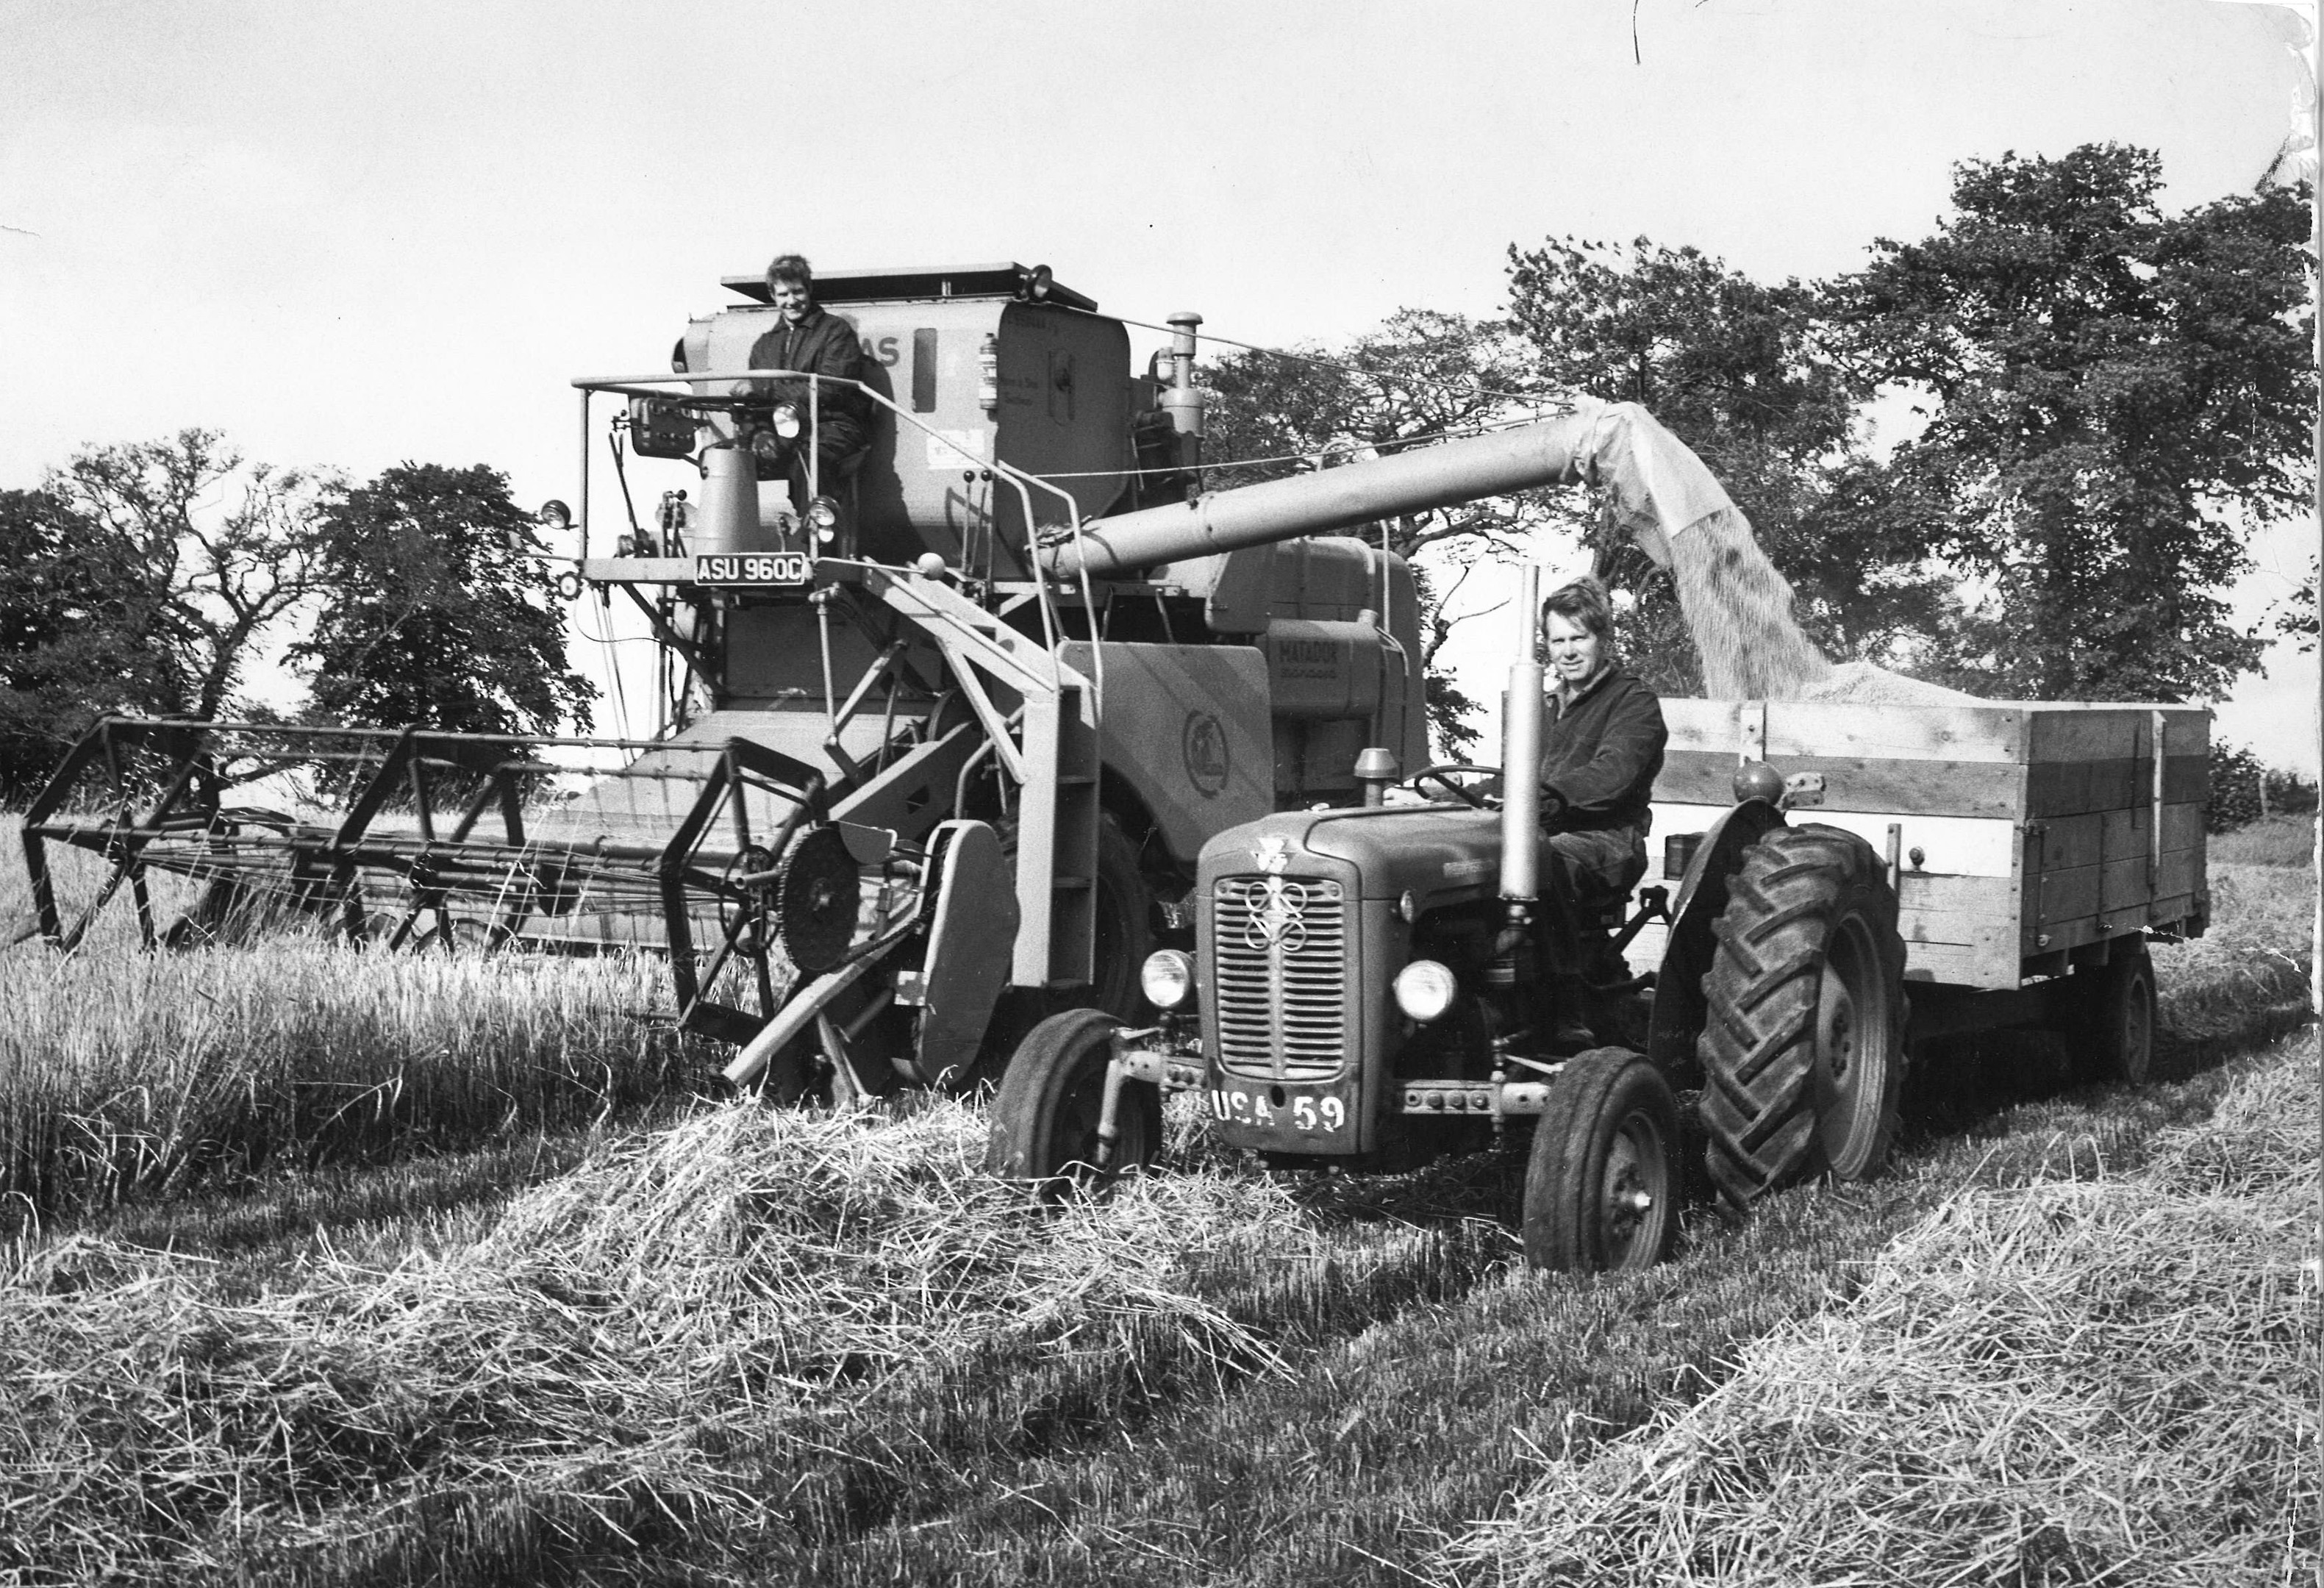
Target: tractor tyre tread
x: 1565, y: 1171
x: 1035, y: 1141
x: 1784, y: 906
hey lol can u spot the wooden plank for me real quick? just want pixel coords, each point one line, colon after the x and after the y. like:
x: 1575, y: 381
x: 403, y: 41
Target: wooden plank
x: 2064, y: 842
x: 1887, y: 733
x: 2110, y: 896
x: 1981, y: 930
x: 1920, y: 890
x: 2178, y: 907
x: 1958, y: 845
x: 1849, y: 730
x: 2068, y: 788
x: 2072, y: 730
x: 1958, y: 965
x: 2131, y: 833
x: 1923, y: 788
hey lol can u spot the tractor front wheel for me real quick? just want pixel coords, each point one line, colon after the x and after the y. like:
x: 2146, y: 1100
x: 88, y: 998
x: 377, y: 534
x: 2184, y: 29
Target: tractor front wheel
x: 1601, y: 1186
x: 1045, y: 1120
x: 1803, y: 1047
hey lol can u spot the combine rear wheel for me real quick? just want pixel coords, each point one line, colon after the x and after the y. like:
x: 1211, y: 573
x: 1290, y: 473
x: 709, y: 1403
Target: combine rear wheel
x: 1124, y: 933
x: 1601, y: 1186
x: 2113, y: 1014
x: 1804, y: 1045
x: 1045, y: 1120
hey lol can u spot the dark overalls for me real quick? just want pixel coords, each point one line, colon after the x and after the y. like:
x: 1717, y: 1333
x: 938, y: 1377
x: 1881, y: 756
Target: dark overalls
x: 1600, y: 753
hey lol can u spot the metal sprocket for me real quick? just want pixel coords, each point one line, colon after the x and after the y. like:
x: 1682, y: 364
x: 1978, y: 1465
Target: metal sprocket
x: 818, y: 893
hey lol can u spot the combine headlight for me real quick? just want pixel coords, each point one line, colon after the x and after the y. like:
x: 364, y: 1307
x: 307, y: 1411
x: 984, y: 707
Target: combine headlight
x: 766, y: 447
x: 1167, y: 978
x: 1425, y: 989
x: 823, y: 517
x: 787, y: 420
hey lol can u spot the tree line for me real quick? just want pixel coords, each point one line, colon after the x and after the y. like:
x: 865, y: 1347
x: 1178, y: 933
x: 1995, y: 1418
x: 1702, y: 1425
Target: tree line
x: 2021, y: 457
x: 152, y: 578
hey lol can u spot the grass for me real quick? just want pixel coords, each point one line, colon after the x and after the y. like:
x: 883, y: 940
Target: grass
x: 2275, y: 840
x: 127, y: 1076
x: 766, y: 1346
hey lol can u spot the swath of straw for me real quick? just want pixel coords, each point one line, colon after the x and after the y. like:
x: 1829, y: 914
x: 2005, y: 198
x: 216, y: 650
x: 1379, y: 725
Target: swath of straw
x: 674, y: 1337
x: 2106, y: 1381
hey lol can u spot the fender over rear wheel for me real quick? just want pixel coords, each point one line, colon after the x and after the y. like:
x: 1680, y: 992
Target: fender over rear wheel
x: 1602, y: 1182
x: 1044, y: 1119
x: 1803, y: 1046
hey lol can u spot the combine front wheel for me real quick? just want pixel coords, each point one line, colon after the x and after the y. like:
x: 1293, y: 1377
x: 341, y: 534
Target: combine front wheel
x: 1601, y: 1186
x: 1803, y: 1046
x: 1045, y: 1120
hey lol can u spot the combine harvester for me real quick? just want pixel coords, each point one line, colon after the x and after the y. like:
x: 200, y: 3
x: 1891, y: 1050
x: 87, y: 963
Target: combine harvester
x: 957, y: 742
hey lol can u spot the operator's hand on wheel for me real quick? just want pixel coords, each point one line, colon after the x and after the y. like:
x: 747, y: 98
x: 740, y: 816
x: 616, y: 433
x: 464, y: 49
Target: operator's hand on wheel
x: 1553, y: 804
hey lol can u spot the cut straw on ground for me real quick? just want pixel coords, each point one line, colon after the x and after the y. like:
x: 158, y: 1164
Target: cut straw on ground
x: 2099, y: 1380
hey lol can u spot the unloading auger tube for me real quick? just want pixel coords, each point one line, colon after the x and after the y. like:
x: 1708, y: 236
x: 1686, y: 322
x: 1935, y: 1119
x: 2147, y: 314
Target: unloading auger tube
x: 1659, y: 488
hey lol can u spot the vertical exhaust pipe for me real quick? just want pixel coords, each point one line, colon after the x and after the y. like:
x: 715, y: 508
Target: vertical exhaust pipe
x: 1521, y: 753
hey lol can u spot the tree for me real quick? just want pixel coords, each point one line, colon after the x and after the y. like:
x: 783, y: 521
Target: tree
x: 202, y: 554
x: 1420, y: 376
x: 67, y: 645
x: 2295, y: 614
x: 435, y: 612
x: 1737, y: 370
x: 2112, y: 395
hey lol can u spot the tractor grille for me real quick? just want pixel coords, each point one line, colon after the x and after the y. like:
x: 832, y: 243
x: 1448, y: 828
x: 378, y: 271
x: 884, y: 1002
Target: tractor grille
x: 1279, y: 951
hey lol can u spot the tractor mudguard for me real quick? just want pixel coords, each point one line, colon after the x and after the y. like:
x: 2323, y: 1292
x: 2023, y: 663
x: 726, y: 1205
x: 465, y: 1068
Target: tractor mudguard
x: 1680, y: 1008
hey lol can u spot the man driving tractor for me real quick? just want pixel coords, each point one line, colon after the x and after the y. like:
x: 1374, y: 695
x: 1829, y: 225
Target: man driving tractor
x: 1602, y: 747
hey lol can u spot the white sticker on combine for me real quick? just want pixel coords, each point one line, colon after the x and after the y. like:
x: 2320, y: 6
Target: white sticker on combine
x: 1463, y: 871
x: 957, y: 449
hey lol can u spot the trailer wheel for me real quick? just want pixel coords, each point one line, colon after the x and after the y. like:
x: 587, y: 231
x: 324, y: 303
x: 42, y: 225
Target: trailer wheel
x: 1602, y: 1185
x: 1045, y: 1120
x: 2113, y: 1014
x: 1803, y: 1046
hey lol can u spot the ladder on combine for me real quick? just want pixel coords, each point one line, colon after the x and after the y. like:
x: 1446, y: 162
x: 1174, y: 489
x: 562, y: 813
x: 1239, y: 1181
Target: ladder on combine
x: 1051, y: 754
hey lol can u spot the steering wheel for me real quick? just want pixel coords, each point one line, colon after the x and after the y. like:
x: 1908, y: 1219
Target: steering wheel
x: 1444, y: 773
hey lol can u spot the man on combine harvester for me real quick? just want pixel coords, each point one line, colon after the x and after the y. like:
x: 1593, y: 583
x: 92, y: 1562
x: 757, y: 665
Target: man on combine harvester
x: 811, y: 342
x: 1601, y: 749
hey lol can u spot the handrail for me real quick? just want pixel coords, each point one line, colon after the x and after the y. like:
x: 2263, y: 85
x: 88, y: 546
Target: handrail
x: 1022, y: 482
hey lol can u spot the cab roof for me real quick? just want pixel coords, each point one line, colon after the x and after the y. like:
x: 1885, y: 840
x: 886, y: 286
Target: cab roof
x: 1002, y: 280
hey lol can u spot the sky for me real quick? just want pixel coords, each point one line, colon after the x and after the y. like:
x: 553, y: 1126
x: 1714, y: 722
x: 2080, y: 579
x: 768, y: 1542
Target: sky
x: 352, y: 235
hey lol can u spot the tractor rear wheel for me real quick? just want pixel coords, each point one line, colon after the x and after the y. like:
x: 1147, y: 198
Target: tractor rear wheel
x: 1045, y: 1120
x: 1803, y: 1046
x: 2113, y: 1013
x: 1602, y: 1185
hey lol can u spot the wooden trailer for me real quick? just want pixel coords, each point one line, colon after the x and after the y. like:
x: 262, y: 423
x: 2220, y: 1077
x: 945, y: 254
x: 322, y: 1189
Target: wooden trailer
x: 2025, y: 840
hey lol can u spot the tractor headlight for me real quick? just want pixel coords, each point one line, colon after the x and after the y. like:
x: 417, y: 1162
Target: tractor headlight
x: 766, y: 447
x: 787, y: 420
x: 823, y: 517
x: 1167, y: 978
x: 1425, y: 989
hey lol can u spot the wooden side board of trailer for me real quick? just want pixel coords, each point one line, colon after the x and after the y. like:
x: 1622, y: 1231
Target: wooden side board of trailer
x: 2022, y: 833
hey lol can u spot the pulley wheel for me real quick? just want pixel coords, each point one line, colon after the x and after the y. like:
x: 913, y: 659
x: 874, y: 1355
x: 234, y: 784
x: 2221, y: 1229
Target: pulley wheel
x: 816, y: 899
